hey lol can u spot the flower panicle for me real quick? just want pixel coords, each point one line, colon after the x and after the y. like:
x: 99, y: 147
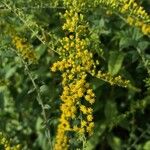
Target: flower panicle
x: 24, y: 49
x: 133, y: 13
x: 76, y: 62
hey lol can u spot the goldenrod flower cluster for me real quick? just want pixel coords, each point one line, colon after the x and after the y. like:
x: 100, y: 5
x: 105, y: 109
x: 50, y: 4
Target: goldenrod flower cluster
x: 76, y: 63
x: 5, y: 143
x: 112, y: 80
x: 77, y: 96
x: 24, y: 49
x: 133, y: 13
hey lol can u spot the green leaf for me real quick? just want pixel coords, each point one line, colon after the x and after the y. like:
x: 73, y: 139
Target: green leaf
x: 40, y: 50
x: 10, y: 72
x: 110, y: 110
x: 114, y: 142
x: 44, y: 90
x: 143, y: 45
x: 96, y: 83
x: 125, y: 42
x: 146, y: 146
x: 115, y: 62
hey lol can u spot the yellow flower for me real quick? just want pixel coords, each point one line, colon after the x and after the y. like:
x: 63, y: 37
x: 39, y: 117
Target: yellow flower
x: 83, y: 109
x: 91, y: 124
x: 80, y: 92
x: 88, y: 97
x: 89, y: 117
x: 89, y: 130
x: 92, y: 100
x: 90, y: 110
x: 83, y: 123
x: 24, y: 49
x: 81, y: 131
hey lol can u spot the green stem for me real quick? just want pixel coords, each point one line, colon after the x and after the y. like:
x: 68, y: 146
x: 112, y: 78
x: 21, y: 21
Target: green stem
x: 27, y: 25
x: 39, y: 99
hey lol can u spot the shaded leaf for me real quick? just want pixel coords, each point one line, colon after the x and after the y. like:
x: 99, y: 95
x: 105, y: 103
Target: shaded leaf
x: 115, y: 62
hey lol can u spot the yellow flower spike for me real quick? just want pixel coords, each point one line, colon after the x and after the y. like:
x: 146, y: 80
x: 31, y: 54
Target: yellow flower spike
x: 75, y: 64
x: 129, y: 10
x: 24, y: 49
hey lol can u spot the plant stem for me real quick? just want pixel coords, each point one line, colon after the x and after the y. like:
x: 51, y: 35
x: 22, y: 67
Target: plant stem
x: 39, y: 99
x: 27, y: 25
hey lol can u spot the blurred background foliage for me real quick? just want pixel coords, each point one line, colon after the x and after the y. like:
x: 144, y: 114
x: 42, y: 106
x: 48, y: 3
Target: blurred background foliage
x: 121, y: 114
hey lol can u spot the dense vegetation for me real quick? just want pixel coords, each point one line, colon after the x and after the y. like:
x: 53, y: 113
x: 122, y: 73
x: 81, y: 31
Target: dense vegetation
x: 74, y: 74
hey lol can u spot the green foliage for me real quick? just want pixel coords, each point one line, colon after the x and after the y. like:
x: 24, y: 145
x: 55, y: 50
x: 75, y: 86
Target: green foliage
x: 30, y: 92
x: 115, y: 62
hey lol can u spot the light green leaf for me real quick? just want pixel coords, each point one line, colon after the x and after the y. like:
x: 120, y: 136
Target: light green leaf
x: 40, y: 50
x: 143, y: 45
x: 146, y: 146
x: 115, y: 62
